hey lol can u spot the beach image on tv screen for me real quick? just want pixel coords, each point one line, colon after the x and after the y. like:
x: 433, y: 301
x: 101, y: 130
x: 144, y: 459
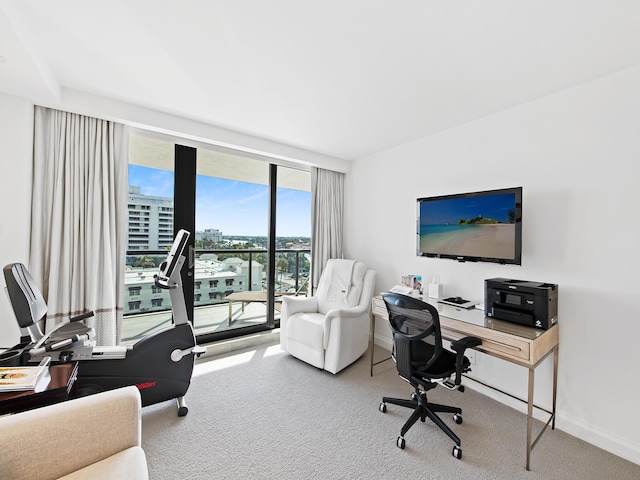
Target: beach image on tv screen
x: 482, y: 226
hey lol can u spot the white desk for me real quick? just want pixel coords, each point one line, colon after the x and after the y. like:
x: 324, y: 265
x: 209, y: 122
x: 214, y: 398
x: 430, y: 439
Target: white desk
x: 525, y: 346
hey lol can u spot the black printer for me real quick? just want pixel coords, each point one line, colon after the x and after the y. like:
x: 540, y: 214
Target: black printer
x: 528, y: 303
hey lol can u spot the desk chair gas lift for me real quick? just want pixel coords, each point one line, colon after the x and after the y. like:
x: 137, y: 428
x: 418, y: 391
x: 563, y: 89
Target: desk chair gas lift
x: 422, y: 361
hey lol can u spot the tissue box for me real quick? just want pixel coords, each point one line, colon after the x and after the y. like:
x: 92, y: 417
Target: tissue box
x: 436, y: 290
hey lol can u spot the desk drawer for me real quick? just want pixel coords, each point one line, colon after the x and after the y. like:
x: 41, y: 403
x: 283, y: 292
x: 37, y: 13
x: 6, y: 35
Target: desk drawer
x: 378, y: 308
x: 493, y: 343
x: 497, y: 343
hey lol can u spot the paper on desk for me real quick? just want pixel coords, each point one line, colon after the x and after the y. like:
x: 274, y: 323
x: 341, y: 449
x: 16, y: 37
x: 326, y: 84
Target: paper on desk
x: 20, y: 378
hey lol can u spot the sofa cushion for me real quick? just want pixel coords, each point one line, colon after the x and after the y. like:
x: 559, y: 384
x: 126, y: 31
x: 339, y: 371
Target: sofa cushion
x: 130, y: 464
x: 49, y: 442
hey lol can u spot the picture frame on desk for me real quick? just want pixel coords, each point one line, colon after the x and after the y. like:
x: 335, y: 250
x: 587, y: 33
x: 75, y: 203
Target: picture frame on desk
x: 413, y: 281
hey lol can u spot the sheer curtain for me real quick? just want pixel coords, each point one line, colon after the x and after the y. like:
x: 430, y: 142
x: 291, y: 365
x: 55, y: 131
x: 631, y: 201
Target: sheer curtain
x: 327, y: 205
x: 78, y: 223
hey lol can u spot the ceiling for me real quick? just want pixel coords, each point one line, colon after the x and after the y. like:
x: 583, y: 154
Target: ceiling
x: 341, y: 78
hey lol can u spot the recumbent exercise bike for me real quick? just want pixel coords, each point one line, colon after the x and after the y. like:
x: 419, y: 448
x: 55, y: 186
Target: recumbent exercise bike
x: 160, y: 364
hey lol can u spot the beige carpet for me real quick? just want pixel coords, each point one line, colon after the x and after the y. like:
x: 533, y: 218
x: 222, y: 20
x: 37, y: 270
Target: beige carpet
x: 262, y: 414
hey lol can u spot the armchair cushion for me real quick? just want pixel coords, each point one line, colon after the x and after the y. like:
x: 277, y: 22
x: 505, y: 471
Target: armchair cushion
x: 308, y: 328
x: 340, y: 285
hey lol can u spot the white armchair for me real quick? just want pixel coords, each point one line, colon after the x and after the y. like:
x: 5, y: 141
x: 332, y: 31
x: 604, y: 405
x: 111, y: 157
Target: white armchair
x: 331, y: 329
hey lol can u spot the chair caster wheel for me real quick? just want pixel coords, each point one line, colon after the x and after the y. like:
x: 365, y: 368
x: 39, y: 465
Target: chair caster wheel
x: 383, y: 407
x: 414, y: 396
x: 457, y: 452
x: 182, y: 411
x: 457, y: 418
x: 400, y: 443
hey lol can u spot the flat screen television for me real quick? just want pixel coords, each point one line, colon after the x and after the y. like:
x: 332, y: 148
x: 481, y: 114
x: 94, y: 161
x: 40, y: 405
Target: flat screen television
x: 472, y: 227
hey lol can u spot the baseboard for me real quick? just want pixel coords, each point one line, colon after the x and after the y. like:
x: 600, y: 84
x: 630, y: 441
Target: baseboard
x: 594, y: 435
x: 599, y: 437
x: 385, y: 342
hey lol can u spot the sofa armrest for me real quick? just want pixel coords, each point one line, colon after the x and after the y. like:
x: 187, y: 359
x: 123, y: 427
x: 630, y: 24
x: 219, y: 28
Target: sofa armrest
x: 56, y: 440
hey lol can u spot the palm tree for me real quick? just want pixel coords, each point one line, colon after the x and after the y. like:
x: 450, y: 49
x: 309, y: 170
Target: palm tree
x: 282, y: 264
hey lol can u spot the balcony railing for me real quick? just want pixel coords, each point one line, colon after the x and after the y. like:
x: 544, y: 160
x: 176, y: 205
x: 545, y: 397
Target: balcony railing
x: 218, y: 272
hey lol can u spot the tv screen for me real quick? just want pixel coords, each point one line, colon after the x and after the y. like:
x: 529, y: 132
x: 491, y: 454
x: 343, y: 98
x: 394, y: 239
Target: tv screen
x: 477, y: 227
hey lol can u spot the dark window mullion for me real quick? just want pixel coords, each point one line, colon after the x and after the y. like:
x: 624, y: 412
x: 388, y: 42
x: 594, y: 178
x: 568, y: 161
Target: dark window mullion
x: 184, y: 206
x: 271, y: 245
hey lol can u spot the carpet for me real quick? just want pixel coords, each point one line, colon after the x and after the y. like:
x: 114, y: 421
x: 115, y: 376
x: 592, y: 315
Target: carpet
x: 262, y: 414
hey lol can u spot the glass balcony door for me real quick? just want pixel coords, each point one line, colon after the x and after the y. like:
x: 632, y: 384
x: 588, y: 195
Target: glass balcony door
x: 250, y: 224
x: 232, y: 218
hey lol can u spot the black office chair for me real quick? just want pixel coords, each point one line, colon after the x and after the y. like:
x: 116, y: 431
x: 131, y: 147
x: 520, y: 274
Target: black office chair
x: 423, y: 362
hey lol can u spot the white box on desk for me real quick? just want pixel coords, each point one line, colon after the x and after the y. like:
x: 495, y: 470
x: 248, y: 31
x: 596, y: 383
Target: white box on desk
x: 436, y: 290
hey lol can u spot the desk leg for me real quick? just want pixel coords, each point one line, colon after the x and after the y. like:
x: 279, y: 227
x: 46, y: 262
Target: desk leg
x: 372, y: 339
x: 555, y: 386
x: 230, y: 312
x: 529, y: 415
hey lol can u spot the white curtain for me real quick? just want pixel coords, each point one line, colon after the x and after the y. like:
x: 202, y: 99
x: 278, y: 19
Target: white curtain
x: 78, y: 223
x: 327, y: 205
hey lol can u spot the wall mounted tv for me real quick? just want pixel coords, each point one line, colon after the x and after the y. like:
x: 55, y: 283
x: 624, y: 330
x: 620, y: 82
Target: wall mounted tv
x: 472, y: 227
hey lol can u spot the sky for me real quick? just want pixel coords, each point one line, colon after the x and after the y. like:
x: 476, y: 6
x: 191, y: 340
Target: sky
x: 234, y: 208
x: 451, y: 210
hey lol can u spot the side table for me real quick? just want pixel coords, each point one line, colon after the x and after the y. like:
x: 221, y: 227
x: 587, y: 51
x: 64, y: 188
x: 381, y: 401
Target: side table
x: 63, y: 377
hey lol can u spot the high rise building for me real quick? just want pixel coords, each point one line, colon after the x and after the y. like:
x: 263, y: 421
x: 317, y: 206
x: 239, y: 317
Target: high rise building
x: 212, y: 234
x: 150, y: 221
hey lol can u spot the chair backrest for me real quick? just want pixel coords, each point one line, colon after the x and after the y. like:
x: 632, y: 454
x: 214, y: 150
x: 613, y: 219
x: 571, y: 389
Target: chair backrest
x: 26, y: 299
x: 341, y: 284
x: 413, y: 321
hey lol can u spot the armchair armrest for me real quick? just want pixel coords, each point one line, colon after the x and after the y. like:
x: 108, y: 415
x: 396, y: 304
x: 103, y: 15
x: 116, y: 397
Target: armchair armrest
x: 459, y: 346
x: 299, y: 304
x: 348, y: 312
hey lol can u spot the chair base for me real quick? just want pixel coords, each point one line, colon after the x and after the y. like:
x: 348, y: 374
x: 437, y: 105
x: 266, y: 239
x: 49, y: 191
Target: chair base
x: 423, y: 409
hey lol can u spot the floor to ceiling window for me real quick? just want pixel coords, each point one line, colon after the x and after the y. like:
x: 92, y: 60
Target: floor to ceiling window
x: 244, y: 213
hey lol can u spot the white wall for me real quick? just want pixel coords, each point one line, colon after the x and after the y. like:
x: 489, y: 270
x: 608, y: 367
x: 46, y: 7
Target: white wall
x: 577, y: 156
x: 16, y: 140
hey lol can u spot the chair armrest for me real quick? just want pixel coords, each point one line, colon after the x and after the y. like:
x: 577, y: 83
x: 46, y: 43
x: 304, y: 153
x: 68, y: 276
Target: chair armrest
x: 299, y: 304
x: 459, y: 346
x: 65, y: 437
x: 349, y: 312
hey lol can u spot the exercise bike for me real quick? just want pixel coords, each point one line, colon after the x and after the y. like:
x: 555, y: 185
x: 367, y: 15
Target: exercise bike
x: 160, y: 364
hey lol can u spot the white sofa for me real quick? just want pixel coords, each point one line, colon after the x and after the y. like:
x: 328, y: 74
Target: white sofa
x: 95, y: 437
x: 331, y: 329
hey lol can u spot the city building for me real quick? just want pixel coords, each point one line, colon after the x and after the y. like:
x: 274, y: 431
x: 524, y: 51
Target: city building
x: 150, y: 221
x: 214, y: 280
x: 210, y: 234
